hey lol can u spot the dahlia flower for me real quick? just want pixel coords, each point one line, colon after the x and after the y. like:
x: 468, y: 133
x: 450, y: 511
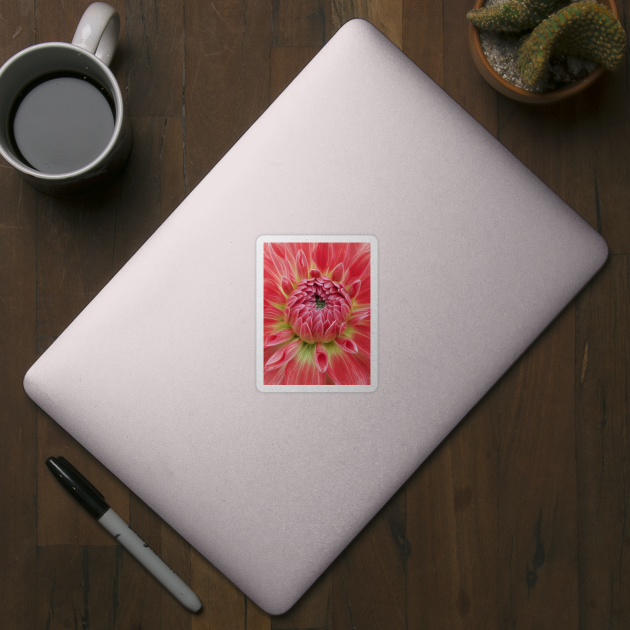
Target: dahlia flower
x: 316, y: 299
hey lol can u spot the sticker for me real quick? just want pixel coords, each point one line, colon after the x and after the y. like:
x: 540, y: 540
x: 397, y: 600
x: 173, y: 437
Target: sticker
x: 316, y: 313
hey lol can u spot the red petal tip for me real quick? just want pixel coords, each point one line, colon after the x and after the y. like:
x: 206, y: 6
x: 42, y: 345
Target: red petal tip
x: 347, y: 345
x: 321, y: 358
x: 302, y: 265
x: 337, y: 273
x: 287, y: 287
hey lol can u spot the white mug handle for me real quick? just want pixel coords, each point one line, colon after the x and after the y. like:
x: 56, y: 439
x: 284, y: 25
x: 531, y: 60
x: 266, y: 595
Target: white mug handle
x: 98, y: 31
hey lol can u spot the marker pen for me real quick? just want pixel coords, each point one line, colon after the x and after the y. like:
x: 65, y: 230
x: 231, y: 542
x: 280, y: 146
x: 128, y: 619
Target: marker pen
x: 94, y: 502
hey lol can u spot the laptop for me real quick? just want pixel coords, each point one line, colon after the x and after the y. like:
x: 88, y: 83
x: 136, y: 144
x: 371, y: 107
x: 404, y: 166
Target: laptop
x: 316, y: 316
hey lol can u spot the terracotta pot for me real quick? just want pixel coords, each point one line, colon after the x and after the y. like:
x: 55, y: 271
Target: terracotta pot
x: 518, y: 94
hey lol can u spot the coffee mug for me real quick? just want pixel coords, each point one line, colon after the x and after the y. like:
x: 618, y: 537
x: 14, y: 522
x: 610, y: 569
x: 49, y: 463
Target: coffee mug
x: 62, y: 114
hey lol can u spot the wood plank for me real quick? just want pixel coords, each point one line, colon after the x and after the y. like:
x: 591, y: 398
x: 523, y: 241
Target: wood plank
x: 313, y: 610
x: 537, y: 537
x: 386, y: 15
x: 152, y: 185
x: 558, y: 147
x: 285, y: 64
x: 18, y: 423
x: 452, y: 527
x: 300, y: 22
x: 422, y: 36
x: 461, y: 78
x: 224, y: 606
x: 76, y: 587
x: 608, y: 127
x: 17, y: 28
x: 154, y: 57
x: 226, y: 78
x: 369, y: 577
x: 603, y: 468
x: 255, y: 618
x: 18, y: 415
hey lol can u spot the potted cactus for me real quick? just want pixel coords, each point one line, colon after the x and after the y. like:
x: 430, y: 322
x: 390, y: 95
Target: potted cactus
x: 558, y: 49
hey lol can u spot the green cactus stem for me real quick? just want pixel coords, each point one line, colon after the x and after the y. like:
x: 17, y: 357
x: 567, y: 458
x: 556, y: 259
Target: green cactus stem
x: 584, y: 29
x: 513, y: 16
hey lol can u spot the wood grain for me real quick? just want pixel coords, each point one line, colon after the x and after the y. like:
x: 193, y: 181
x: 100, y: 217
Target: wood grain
x: 452, y: 516
x: 224, y: 606
x: 461, y: 79
x: 226, y: 78
x: 369, y: 577
x: 300, y: 22
x: 602, y: 380
x: 422, y: 36
x: 154, y: 57
x: 285, y: 64
x: 386, y: 15
x: 537, y: 511
x: 72, y: 594
x: 18, y: 416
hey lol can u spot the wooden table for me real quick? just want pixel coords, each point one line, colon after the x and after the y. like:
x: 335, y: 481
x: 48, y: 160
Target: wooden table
x: 518, y: 520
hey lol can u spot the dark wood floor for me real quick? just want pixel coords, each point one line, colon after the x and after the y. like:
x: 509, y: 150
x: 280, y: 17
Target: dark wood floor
x: 518, y: 520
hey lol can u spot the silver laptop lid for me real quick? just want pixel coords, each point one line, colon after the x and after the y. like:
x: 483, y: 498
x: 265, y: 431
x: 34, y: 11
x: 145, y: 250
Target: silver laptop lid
x: 165, y: 376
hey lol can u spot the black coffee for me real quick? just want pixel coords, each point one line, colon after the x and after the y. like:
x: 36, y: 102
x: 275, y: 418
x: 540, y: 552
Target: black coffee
x: 61, y: 123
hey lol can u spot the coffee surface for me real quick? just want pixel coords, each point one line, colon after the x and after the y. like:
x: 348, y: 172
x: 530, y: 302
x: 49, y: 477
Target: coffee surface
x: 62, y: 124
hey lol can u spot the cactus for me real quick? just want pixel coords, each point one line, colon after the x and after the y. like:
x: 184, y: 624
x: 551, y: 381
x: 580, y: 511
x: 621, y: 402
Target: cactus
x: 584, y: 29
x: 513, y: 16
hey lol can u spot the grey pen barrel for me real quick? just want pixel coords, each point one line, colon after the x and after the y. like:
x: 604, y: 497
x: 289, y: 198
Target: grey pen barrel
x: 149, y: 559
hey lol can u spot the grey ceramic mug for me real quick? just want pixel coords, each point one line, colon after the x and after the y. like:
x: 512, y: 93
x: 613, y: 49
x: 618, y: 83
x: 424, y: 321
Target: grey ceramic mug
x: 88, y: 56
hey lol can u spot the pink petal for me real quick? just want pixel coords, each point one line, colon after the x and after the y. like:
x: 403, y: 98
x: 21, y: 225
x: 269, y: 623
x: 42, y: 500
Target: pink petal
x: 287, y: 313
x: 355, y: 287
x: 302, y: 371
x: 331, y: 333
x: 284, y: 355
x: 275, y: 377
x: 315, y: 273
x: 302, y: 265
x: 321, y: 358
x: 347, y: 345
x: 361, y: 337
x: 322, y: 255
x: 345, y: 309
x: 347, y: 369
x: 337, y: 272
x: 278, y: 249
x: 318, y: 330
x: 272, y: 294
x: 271, y: 312
x: 287, y: 287
x: 360, y: 265
x: 359, y: 316
x: 342, y: 328
x: 279, y: 337
x: 306, y: 333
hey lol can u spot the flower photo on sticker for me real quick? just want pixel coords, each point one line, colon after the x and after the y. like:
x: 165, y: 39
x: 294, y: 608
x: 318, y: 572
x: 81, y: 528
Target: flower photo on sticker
x: 317, y: 313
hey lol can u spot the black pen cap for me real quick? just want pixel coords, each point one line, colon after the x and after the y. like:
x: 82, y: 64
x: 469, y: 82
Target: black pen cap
x: 78, y: 486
